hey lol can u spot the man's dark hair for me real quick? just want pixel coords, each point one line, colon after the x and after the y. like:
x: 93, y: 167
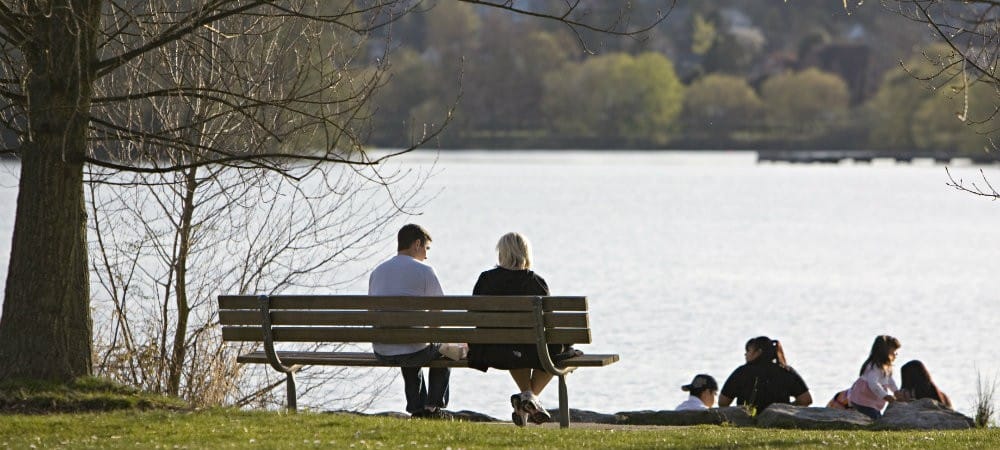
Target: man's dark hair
x: 411, y: 233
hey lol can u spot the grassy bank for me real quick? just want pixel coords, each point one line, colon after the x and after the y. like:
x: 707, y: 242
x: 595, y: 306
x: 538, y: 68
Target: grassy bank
x: 87, y: 394
x: 240, y: 429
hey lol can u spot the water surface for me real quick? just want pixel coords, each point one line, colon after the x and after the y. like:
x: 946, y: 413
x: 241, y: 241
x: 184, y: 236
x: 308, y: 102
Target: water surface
x: 685, y: 256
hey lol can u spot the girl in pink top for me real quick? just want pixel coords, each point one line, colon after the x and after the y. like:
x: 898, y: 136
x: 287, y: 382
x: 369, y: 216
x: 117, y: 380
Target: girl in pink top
x: 875, y: 386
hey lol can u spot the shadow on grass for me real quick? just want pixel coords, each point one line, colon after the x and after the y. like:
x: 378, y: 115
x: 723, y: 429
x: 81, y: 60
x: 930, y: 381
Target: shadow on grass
x: 87, y: 394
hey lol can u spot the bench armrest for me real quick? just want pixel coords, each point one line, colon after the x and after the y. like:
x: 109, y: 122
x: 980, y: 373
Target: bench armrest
x: 543, y: 347
x: 264, y: 302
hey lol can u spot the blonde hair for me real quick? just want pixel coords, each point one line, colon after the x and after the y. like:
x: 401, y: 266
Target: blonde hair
x: 514, y: 252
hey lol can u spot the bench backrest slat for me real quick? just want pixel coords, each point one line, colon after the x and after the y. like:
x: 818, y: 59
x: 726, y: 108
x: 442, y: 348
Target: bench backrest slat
x: 405, y: 335
x: 405, y: 319
x: 388, y: 319
x: 453, y: 302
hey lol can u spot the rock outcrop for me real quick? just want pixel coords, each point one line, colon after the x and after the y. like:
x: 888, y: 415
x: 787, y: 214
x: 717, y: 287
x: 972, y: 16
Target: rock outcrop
x: 584, y: 416
x: 781, y: 415
x: 923, y: 414
x: 715, y: 416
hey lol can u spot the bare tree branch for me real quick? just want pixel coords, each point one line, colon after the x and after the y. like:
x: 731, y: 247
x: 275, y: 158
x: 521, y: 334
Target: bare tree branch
x: 261, y: 158
x: 184, y: 27
x: 985, y: 190
x: 949, y: 38
x: 13, y: 97
x: 568, y: 12
x: 12, y: 23
x: 571, y: 15
x: 969, y: 30
x: 346, y: 13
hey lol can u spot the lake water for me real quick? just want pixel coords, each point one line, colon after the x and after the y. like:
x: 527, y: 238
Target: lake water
x: 685, y: 256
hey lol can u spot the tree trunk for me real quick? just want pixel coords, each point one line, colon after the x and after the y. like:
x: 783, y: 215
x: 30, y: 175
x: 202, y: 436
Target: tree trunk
x: 45, y: 330
x: 183, y: 307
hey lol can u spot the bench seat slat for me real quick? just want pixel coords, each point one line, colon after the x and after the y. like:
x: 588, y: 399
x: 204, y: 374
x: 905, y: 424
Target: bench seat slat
x: 404, y: 335
x: 361, y: 359
x: 405, y: 319
x: 453, y: 302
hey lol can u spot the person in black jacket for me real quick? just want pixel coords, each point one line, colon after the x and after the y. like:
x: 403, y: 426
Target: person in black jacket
x: 765, y: 378
x: 513, y: 276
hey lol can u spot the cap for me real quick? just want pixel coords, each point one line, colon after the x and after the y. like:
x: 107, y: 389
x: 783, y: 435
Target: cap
x: 701, y: 381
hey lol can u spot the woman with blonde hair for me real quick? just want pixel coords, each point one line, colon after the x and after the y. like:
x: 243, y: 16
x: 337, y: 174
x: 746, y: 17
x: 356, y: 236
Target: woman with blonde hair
x: 513, y: 276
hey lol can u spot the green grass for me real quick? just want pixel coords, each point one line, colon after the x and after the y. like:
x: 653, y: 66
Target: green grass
x: 240, y: 429
x: 84, y: 394
x: 92, y: 413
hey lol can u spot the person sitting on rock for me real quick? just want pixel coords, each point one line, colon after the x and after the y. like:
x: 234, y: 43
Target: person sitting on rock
x: 765, y: 379
x: 875, y: 386
x: 703, y: 390
x: 917, y: 384
x: 840, y: 400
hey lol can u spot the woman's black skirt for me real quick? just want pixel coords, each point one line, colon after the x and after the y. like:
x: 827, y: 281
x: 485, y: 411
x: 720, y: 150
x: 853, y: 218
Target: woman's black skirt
x: 514, y: 356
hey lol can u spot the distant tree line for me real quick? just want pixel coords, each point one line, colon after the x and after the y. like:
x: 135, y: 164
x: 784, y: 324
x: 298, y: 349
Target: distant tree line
x: 716, y: 76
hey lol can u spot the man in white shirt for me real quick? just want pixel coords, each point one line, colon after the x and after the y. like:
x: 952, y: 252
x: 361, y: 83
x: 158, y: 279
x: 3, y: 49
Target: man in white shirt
x: 703, y: 390
x: 407, y: 275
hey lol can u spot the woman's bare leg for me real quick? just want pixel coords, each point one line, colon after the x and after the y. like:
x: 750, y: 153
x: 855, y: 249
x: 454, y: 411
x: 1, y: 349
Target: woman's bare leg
x: 539, y: 379
x: 523, y: 379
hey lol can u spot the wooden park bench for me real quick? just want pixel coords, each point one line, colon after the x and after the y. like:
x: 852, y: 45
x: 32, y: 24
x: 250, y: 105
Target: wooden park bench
x: 364, y: 319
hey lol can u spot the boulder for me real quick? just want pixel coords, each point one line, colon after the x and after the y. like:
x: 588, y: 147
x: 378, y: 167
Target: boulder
x: 714, y: 416
x: 923, y: 414
x: 583, y: 416
x: 783, y: 415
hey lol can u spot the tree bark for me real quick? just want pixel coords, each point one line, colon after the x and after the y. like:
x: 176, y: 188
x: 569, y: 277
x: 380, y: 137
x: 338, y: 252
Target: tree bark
x: 183, y: 307
x: 45, y: 330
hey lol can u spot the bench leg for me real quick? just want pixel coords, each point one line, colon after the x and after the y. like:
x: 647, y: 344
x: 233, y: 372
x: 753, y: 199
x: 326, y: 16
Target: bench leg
x: 290, y: 391
x: 563, y: 403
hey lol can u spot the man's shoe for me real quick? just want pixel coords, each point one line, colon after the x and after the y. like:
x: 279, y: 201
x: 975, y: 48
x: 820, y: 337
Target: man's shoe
x: 438, y: 414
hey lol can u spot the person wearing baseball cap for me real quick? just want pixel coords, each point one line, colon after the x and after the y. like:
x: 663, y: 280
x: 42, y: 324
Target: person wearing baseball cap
x: 703, y: 389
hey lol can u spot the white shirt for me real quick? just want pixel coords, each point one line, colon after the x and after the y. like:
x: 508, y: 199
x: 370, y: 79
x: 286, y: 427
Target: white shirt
x: 879, y: 382
x: 403, y: 275
x: 691, y: 404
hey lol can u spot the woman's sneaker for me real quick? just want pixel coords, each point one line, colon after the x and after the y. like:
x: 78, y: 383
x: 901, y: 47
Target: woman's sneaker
x: 519, y: 416
x: 535, y: 411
